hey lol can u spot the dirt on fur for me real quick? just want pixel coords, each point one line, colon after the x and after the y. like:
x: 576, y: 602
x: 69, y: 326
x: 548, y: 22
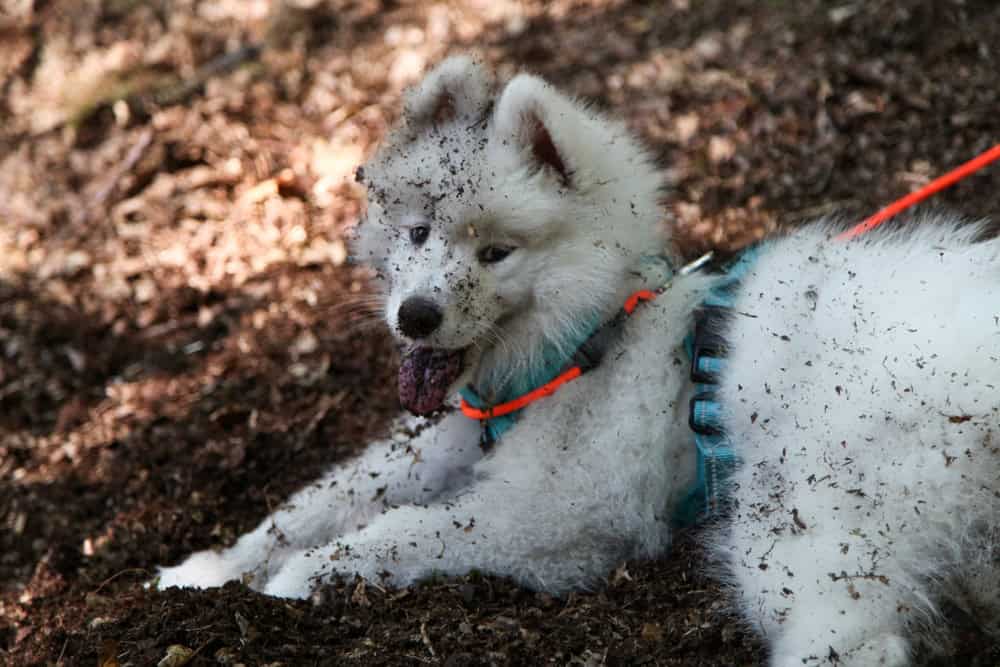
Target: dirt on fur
x: 183, y: 343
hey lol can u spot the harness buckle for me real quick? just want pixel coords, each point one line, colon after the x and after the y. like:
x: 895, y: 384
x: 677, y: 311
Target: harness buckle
x: 591, y: 352
x: 705, y: 414
x: 708, y: 350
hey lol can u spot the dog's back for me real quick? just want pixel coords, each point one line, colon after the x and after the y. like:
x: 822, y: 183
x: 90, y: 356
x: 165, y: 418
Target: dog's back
x: 862, y: 396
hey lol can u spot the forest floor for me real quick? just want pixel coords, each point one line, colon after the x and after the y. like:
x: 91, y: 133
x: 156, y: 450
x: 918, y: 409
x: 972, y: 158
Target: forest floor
x: 181, y: 345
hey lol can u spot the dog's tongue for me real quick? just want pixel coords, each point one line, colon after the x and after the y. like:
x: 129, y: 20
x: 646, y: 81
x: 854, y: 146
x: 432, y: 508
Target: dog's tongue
x: 425, y: 375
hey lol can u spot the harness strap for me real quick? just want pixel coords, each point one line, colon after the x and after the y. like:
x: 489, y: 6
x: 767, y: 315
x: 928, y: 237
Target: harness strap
x: 498, y: 418
x: 587, y: 357
x: 522, y: 401
x: 716, y: 459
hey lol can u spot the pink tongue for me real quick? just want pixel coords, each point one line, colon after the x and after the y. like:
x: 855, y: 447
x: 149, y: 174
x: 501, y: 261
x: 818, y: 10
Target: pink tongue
x: 425, y: 375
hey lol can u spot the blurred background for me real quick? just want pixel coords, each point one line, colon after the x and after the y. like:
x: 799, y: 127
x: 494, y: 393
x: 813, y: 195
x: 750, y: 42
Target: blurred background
x: 182, y: 343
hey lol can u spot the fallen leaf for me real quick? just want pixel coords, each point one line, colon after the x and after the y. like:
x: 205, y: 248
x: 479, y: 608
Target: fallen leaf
x: 651, y: 632
x: 176, y: 656
x: 359, y: 596
x: 109, y: 653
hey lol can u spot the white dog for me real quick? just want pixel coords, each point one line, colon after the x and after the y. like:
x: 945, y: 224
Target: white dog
x: 856, y: 383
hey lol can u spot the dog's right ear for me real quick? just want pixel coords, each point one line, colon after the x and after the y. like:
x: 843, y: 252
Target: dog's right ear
x: 543, y: 125
x: 458, y: 88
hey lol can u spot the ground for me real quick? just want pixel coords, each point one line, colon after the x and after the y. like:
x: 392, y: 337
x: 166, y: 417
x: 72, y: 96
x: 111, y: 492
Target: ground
x: 182, y: 343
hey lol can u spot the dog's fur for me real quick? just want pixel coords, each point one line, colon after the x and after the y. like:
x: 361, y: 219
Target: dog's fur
x: 861, y: 393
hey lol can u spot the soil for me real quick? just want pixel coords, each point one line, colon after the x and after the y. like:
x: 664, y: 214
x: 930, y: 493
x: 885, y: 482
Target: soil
x: 182, y: 343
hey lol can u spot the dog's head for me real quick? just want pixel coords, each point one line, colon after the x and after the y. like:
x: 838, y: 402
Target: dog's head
x: 500, y: 223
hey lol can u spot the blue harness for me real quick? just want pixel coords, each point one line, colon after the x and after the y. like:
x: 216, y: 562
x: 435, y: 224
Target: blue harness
x: 716, y: 458
x: 551, y: 363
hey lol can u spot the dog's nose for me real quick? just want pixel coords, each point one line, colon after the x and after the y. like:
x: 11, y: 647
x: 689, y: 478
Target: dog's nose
x: 419, y: 317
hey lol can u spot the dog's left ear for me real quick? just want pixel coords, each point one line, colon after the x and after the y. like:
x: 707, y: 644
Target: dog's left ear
x: 457, y: 89
x: 541, y: 123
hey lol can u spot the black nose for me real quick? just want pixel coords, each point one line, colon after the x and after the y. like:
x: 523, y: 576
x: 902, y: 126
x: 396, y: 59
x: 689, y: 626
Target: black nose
x: 419, y: 317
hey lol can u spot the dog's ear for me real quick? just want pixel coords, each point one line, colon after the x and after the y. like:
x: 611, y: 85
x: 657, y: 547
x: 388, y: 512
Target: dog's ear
x: 541, y: 123
x: 458, y: 88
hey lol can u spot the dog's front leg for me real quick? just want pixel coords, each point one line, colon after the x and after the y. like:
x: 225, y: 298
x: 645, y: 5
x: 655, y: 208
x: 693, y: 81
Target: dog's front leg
x: 421, y: 462
x: 498, y: 528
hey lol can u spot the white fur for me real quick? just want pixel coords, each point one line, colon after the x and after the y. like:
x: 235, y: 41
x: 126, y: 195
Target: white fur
x: 863, y: 398
x: 861, y: 394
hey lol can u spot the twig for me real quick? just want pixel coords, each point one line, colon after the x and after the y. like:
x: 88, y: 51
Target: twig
x: 131, y: 158
x: 427, y: 640
x: 116, y: 575
x: 222, y: 64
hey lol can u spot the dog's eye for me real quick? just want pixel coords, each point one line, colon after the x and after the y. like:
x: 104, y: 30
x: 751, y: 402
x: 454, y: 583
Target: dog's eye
x: 419, y: 234
x: 492, y: 254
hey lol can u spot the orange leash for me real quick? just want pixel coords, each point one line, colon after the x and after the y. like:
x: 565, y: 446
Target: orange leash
x: 552, y: 385
x: 935, y: 186
x: 546, y: 389
x: 641, y: 295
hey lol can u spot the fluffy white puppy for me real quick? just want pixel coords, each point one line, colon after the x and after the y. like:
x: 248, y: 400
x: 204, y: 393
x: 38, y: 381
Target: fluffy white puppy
x: 855, y: 382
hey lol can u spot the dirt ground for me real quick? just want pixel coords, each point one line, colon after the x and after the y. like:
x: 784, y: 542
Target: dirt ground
x: 182, y: 343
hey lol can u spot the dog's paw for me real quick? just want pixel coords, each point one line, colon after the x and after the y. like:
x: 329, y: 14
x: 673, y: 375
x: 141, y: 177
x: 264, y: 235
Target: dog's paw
x: 205, y: 569
x: 292, y: 582
x: 302, y: 572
